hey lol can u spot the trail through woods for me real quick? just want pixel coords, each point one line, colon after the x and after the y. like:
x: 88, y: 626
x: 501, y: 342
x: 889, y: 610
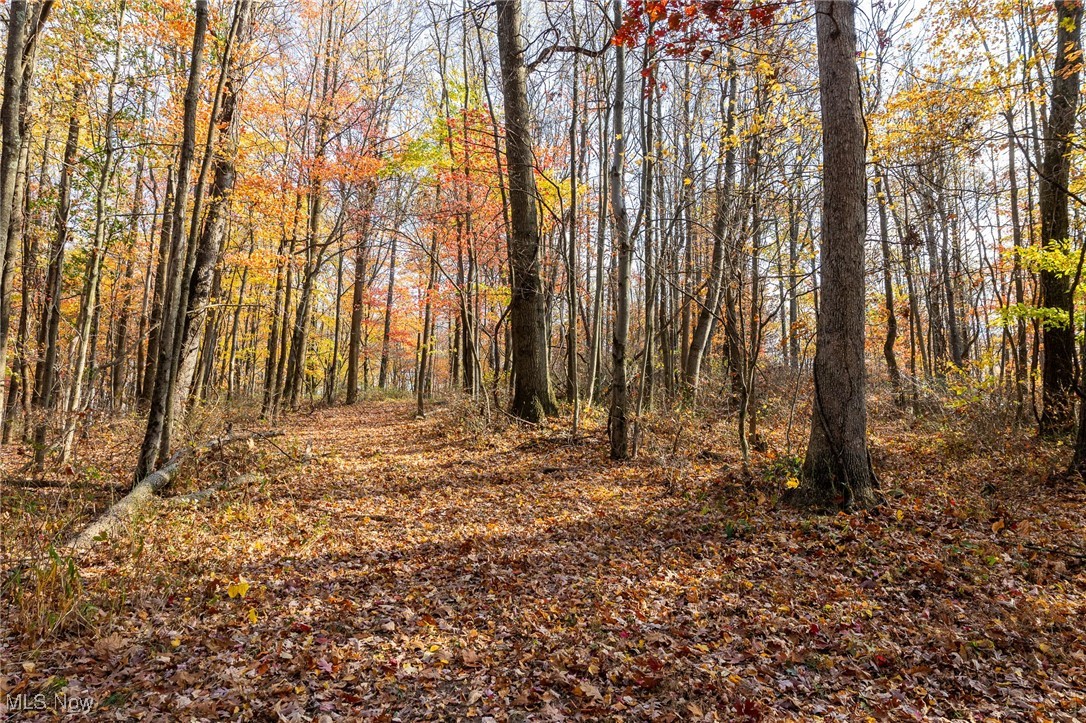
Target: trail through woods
x: 432, y: 570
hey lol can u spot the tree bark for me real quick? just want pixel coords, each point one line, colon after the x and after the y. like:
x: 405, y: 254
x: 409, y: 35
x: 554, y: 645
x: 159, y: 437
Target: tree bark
x: 1058, y: 372
x: 837, y: 472
x: 532, y: 396
x: 618, y: 418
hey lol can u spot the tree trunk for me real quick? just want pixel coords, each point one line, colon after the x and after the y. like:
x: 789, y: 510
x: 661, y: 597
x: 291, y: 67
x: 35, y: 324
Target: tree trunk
x: 386, y: 335
x: 23, y: 31
x: 156, y: 443
x: 710, y: 309
x: 154, y: 331
x: 278, y: 318
x: 210, y: 238
x: 9, y: 117
x: 573, y: 391
x: 837, y: 472
x: 88, y: 309
x: 1058, y: 373
x: 421, y: 379
x: 45, y: 374
x: 882, y: 196
x: 358, y: 295
x: 532, y: 396
x: 120, y: 368
x: 618, y: 419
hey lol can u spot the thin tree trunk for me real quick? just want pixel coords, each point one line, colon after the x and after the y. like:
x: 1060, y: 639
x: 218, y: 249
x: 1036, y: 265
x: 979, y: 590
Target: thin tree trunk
x: 618, y: 419
x: 710, y: 309
x: 358, y: 296
x: 386, y: 335
x: 156, y: 441
x: 881, y: 195
x: 45, y: 375
x: 573, y: 392
x: 24, y: 30
x: 422, y: 378
x: 222, y: 184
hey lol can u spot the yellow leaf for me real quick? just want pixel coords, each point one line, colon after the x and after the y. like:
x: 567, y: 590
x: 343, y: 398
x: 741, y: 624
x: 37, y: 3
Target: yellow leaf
x: 791, y: 483
x: 252, y: 615
x: 176, y: 642
x: 239, y: 588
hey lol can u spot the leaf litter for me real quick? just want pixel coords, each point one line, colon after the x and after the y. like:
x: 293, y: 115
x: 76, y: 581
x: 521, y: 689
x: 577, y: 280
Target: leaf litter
x: 420, y: 570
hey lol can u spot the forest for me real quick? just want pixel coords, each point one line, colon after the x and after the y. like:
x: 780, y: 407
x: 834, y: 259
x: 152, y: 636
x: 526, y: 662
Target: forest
x: 542, y: 360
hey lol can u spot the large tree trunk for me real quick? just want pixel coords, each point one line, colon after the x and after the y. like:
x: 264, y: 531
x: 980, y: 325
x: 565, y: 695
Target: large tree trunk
x: 18, y: 238
x: 9, y: 117
x: 837, y: 471
x: 10, y: 153
x: 156, y: 438
x: 532, y: 396
x: 17, y: 389
x: 1058, y: 373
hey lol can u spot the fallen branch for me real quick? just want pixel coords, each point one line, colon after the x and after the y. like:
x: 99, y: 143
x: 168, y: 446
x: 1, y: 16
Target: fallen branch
x: 1074, y: 552
x: 210, y: 491
x: 146, y: 489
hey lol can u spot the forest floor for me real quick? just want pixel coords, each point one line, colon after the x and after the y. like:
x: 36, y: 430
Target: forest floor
x: 391, y: 569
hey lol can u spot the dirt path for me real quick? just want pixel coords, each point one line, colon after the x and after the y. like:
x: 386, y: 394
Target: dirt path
x: 428, y: 571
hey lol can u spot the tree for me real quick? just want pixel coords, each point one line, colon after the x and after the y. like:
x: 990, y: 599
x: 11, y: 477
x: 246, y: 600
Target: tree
x: 532, y: 396
x: 1058, y: 372
x: 617, y: 420
x: 24, y: 28
x: 156, y: 440
x: 709, y: 310
x: 837, y: 471
x: 209, y: 242
x: 45, y: 373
